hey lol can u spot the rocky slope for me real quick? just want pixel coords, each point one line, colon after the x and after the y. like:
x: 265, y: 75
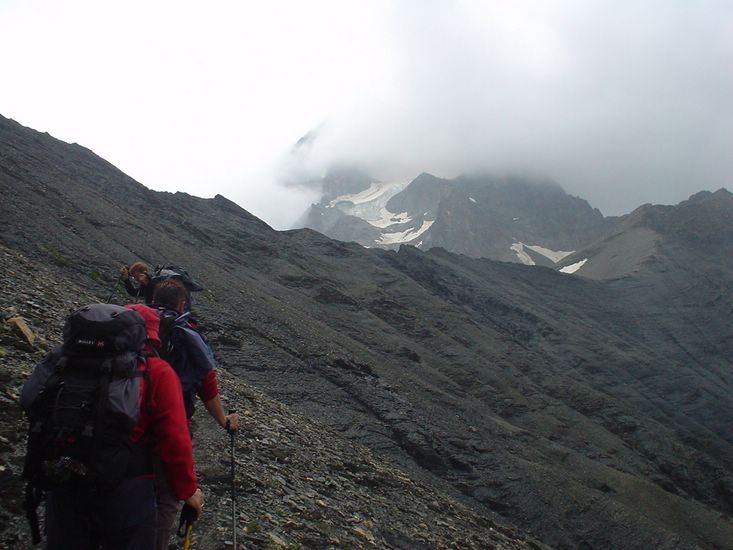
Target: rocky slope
x: 587, y: 413
x: 297, y: 483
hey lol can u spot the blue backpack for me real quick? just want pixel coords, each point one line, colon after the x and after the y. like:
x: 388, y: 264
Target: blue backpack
x: 186, y: 350
x: 163, y: 272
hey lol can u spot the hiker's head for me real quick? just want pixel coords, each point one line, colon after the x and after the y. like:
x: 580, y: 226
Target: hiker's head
x: 152, y: 322
x: 140, y: 271
x: 171, y: 293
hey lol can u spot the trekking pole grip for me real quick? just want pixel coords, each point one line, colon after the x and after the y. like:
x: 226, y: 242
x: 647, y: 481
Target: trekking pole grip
x: 188, y: 516
x: 227, y: 427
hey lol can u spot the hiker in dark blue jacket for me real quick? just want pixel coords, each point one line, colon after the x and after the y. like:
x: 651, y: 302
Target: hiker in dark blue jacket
x: 193, y: 360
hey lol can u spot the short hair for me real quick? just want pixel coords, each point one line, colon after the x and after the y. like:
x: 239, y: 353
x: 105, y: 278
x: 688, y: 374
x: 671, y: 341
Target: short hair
x: 139, y: 267
x: 169, y: 292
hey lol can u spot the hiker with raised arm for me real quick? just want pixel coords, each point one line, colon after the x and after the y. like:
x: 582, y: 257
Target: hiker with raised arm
x: 90, y: 450
x: 193, y: 360
x: 138, y: 281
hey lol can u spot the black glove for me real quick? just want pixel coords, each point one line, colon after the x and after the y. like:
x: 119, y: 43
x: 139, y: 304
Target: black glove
x: 188, y: 516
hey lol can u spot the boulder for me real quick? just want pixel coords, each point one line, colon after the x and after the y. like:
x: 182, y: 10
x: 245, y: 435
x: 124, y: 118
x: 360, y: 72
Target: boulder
x: 22, y: 331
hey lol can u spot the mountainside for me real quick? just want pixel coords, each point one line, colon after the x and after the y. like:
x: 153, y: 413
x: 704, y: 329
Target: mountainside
x: 696, y: 232
x: 509, y: 219
x: 587, y: 413
x: 299, y: 484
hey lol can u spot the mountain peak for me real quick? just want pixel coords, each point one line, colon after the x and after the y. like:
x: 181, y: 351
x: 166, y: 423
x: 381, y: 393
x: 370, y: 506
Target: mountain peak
x: 510, y: 219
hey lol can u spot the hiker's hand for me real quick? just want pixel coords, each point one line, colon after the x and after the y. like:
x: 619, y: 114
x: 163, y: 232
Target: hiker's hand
x: 124, y: 273
x: 231, y: 422
x: 196, y: 501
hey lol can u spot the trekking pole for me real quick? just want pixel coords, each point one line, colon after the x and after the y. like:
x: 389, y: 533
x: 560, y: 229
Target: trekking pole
x: 234, y: 493
x: 32, y: 500
x: 188, y: 516
x: 117, y: 282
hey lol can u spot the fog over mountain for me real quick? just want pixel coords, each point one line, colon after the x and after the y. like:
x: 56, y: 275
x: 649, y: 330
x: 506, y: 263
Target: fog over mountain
x: 622, y: 104
x: 533, y: 222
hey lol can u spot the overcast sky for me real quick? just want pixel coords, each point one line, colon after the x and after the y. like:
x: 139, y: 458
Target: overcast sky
x: 621, y: 102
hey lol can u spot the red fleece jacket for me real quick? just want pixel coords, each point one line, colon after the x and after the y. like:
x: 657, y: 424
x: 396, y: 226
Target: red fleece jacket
x: 209, y: 387
x: 163, y: 419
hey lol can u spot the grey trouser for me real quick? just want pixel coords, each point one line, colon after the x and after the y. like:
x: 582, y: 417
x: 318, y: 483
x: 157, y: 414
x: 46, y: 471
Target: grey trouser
x: 168, y: 506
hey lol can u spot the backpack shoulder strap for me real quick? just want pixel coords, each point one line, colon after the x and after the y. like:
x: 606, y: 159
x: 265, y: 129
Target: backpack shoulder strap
x: 33, y: 497
x: 141, y: 456
x: 144, y: 373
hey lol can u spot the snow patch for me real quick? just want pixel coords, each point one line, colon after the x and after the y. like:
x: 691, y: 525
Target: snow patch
x: 375, y: 191
x: 388, y: 218
x: 405, y: 236
x: 554, y: 255
x: 572, y: 268
x: 370, y: 204
x: 518, y: 248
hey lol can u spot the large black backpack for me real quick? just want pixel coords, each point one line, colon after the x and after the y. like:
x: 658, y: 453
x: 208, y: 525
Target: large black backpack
x: 82, y: 401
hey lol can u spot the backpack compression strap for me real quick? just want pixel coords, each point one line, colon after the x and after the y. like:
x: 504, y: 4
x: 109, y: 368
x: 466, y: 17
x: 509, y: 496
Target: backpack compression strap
x: 141, y: 456
x: 33, y: 492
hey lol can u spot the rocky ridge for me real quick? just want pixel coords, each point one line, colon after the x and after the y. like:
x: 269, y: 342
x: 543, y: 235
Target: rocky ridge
x: 658, y: 237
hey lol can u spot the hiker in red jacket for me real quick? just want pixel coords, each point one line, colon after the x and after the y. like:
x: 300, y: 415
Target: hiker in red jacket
x: 172, y: 438
x: 123, y: 517
x: 192, y: 358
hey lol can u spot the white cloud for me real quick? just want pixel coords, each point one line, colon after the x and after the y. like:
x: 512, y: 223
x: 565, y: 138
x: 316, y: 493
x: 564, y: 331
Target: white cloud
x: 622, y: 103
